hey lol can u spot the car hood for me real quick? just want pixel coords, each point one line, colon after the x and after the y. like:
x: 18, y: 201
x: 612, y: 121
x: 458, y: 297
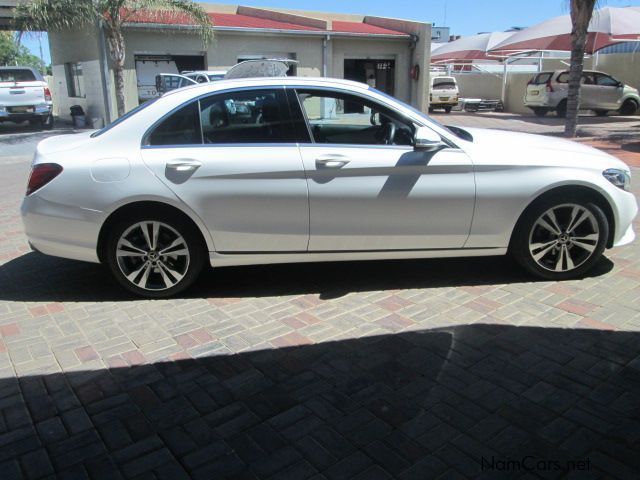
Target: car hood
x: 61, y: 143
x: 504, y: 147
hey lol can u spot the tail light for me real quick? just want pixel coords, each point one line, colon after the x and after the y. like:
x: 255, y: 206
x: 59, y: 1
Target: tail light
x: 549, y: 87
x: 41, y: 174
x: 47, y: 94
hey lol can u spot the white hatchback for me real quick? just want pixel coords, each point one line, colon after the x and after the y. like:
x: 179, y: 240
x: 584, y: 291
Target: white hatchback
x: 272, y: 170
x: 600, y: 92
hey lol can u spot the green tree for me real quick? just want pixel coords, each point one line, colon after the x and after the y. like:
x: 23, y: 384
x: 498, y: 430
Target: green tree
x: 581, y: 13
x: 110, y: 16
x: 12, y: 53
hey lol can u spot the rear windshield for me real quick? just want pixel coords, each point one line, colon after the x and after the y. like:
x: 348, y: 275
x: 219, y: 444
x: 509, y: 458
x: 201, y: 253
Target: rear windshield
x: 16, y: 75
x: 444, y: 83
x: 541, y: 78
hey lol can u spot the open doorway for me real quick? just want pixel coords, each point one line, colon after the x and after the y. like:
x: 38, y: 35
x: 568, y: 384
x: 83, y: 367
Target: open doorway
x: 379, y: 74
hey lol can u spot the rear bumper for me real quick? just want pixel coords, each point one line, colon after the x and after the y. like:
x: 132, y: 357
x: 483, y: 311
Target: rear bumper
x: 61, y: 230
x: 39, y: 112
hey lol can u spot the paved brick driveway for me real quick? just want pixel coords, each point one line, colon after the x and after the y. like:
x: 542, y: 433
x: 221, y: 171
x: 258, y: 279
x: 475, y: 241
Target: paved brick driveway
x: 417, y: 369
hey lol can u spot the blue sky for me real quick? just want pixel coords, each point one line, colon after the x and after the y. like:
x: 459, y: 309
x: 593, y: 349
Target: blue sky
x: 465, y: 17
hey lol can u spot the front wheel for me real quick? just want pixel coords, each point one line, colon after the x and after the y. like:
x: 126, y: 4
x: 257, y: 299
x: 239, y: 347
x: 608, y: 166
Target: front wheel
x: 447, y: 109
x: 560, y: 239
x: 155, y: 256
x: 629, y: 107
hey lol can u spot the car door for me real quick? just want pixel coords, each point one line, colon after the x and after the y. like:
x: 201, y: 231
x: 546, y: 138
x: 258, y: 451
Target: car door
x: 369, y: 189
x: 589, y: 95
x: 609, y: 91
x: 232, y: 158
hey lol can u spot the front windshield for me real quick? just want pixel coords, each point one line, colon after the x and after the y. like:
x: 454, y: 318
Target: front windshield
x: 121, y: 119
x: 421, y: 114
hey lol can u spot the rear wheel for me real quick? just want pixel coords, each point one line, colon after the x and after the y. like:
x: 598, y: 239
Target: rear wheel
x: 540, y: 111
x: 629, y: 107
x: 560, y: 239
x: 155, y: 255
x: 561, y: 109
x: 447, y: 109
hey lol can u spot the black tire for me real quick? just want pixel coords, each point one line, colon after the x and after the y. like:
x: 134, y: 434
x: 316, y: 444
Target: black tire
x: 197, y: 252
x: 629, y: 107
x: 430, y: 109
x: 561, y: 109
x: 601, y: 113
x: 447, y: 109
x: 540, y: 111
x: 520, y: 242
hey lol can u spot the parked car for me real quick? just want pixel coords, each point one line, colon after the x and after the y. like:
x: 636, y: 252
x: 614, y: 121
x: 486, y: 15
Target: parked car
x: 25, y: 96
x: 600, y: 92
x: 443, y: 93
x: 273, y: 170
x: 206, y: 76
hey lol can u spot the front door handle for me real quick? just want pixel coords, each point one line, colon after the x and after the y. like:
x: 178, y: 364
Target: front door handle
x: 331, y: 161
x: 184, y: 165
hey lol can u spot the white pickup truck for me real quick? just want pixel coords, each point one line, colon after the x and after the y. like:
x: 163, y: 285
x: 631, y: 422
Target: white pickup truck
x: 25, y: 96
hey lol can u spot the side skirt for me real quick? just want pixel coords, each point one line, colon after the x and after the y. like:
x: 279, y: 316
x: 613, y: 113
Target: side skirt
x: 236, y: 259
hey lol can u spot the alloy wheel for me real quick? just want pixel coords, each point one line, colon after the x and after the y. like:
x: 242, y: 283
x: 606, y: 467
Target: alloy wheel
x: 152, y: 255
x: 564, y: 237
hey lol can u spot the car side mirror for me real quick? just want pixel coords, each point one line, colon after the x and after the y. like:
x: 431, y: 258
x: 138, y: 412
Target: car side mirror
x: 427, y: 140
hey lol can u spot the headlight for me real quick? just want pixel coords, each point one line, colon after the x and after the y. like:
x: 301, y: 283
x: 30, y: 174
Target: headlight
x: 620, y: 178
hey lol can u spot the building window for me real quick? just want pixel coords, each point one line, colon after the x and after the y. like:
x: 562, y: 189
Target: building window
x: 75, y: 79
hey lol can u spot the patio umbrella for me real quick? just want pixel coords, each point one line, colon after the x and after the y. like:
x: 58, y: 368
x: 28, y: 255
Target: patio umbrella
x: 608, y: 26
x: 473, y: 47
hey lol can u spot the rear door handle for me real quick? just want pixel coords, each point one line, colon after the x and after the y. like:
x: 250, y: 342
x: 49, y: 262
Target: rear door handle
x: 331, y: 161
x: 184, y: 165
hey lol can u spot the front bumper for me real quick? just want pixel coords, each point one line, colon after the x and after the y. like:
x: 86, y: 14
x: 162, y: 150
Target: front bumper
x: 61, y: 230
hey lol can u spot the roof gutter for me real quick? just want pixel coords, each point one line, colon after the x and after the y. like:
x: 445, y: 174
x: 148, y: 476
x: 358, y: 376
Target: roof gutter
x: 307, y: 33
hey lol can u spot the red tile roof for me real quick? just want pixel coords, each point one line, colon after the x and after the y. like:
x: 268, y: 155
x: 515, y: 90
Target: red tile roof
x: 245, y: 21
x: 364, y: 28
x: 235, y: 20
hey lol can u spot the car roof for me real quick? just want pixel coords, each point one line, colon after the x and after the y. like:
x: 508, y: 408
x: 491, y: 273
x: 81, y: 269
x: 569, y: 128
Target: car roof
x: 270, y: 81
x: 205, y: 72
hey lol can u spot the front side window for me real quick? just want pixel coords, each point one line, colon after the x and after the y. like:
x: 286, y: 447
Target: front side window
x: 251, y: 116
x: 341, y: 118
x: 605, y: 80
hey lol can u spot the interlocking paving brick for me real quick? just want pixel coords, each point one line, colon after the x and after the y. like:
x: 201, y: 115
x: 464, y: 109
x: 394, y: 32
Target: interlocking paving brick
x: 370, y: 370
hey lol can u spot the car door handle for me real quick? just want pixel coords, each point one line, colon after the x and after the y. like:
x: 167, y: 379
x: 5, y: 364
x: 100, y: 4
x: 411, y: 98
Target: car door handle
x: 331, y: 161
x: 184, y: 165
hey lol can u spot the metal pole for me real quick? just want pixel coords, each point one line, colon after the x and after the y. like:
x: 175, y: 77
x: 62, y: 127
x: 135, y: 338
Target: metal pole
x: 504, y: 81
x: 104, y: 71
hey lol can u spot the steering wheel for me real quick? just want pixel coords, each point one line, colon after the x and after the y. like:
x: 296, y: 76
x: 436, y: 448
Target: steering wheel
x: 388, y: 133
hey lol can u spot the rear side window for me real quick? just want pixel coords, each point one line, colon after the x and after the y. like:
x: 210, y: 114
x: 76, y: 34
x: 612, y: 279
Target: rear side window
x: 563, y: 77
x: 252, y: 116
x: 541, y: 78
x: 241, y: 117
x: 180, y: 128
x: 17, y: 75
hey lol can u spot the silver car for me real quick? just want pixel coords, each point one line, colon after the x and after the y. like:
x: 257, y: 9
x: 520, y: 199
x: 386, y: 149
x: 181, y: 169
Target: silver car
x: 600, y: 92
x: 272, y: 170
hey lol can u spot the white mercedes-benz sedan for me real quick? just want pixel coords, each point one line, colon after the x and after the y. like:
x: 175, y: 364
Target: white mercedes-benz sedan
x: 269, y: 170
